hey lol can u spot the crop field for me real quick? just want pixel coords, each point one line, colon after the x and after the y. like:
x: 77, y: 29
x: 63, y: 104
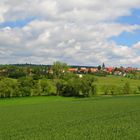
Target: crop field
x: 59, y: 118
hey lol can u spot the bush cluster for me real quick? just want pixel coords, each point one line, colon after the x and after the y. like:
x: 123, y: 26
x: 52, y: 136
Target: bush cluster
x: 69, y: 85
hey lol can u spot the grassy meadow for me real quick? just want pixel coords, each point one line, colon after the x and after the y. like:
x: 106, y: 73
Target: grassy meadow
x: 60, y: 118
x: 116, y: 82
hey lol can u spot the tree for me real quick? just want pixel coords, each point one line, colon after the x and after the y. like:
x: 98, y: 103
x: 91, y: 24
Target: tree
x: 60, y: 86
x: 99, y: 67
x: 17, y: 74
x: 26, y: 84
x: 47, y: 87
x: 72, y: 87
x: 85, y: 87
x: 103, y: 66
x: 59, y: 69
x: 8, y: 88
x: 75, y: 86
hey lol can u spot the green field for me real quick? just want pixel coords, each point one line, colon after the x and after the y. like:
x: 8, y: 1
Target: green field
x: 117, y: 82
x: 59, y: 118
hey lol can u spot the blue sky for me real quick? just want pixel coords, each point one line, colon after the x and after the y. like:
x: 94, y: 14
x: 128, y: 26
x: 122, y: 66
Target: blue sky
x: 128, y: 38
x: 18, y: 23
x: 134, y: 18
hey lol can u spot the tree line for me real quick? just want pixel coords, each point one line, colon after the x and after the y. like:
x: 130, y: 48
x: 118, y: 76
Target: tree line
x: 28, y: 86
x: 43, y: 81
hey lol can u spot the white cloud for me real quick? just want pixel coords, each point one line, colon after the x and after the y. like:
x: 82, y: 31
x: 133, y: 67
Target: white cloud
x: 137, y: 45
x: 74, y: 31
x: 8, y: 37
x: 3, y: 10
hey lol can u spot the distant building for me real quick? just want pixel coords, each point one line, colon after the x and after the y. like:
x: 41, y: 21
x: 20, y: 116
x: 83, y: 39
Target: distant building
x: 110, y: 69
x: 83, y: 70
x: 73, y: 70
x: 93, y: 70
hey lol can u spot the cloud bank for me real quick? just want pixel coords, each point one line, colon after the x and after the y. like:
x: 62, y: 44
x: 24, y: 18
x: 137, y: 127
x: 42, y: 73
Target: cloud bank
x: 72, y: 31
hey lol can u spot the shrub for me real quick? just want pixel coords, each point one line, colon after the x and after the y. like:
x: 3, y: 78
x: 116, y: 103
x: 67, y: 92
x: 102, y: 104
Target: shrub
x: 47, y: 87
x: 8, y: 88
x: 126, y: 88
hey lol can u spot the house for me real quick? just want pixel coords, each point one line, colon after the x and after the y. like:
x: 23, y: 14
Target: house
x: 130, y: 69
x: 93, y: 70
x: 73, y: 70
x: 110, y: 70
x: 83, y: 70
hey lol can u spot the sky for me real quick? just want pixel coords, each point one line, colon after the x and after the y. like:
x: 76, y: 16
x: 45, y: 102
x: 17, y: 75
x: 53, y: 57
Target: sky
x: 77, y: 32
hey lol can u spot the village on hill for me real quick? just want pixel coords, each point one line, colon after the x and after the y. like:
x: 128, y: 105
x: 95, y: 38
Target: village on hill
x: 101, y: 70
